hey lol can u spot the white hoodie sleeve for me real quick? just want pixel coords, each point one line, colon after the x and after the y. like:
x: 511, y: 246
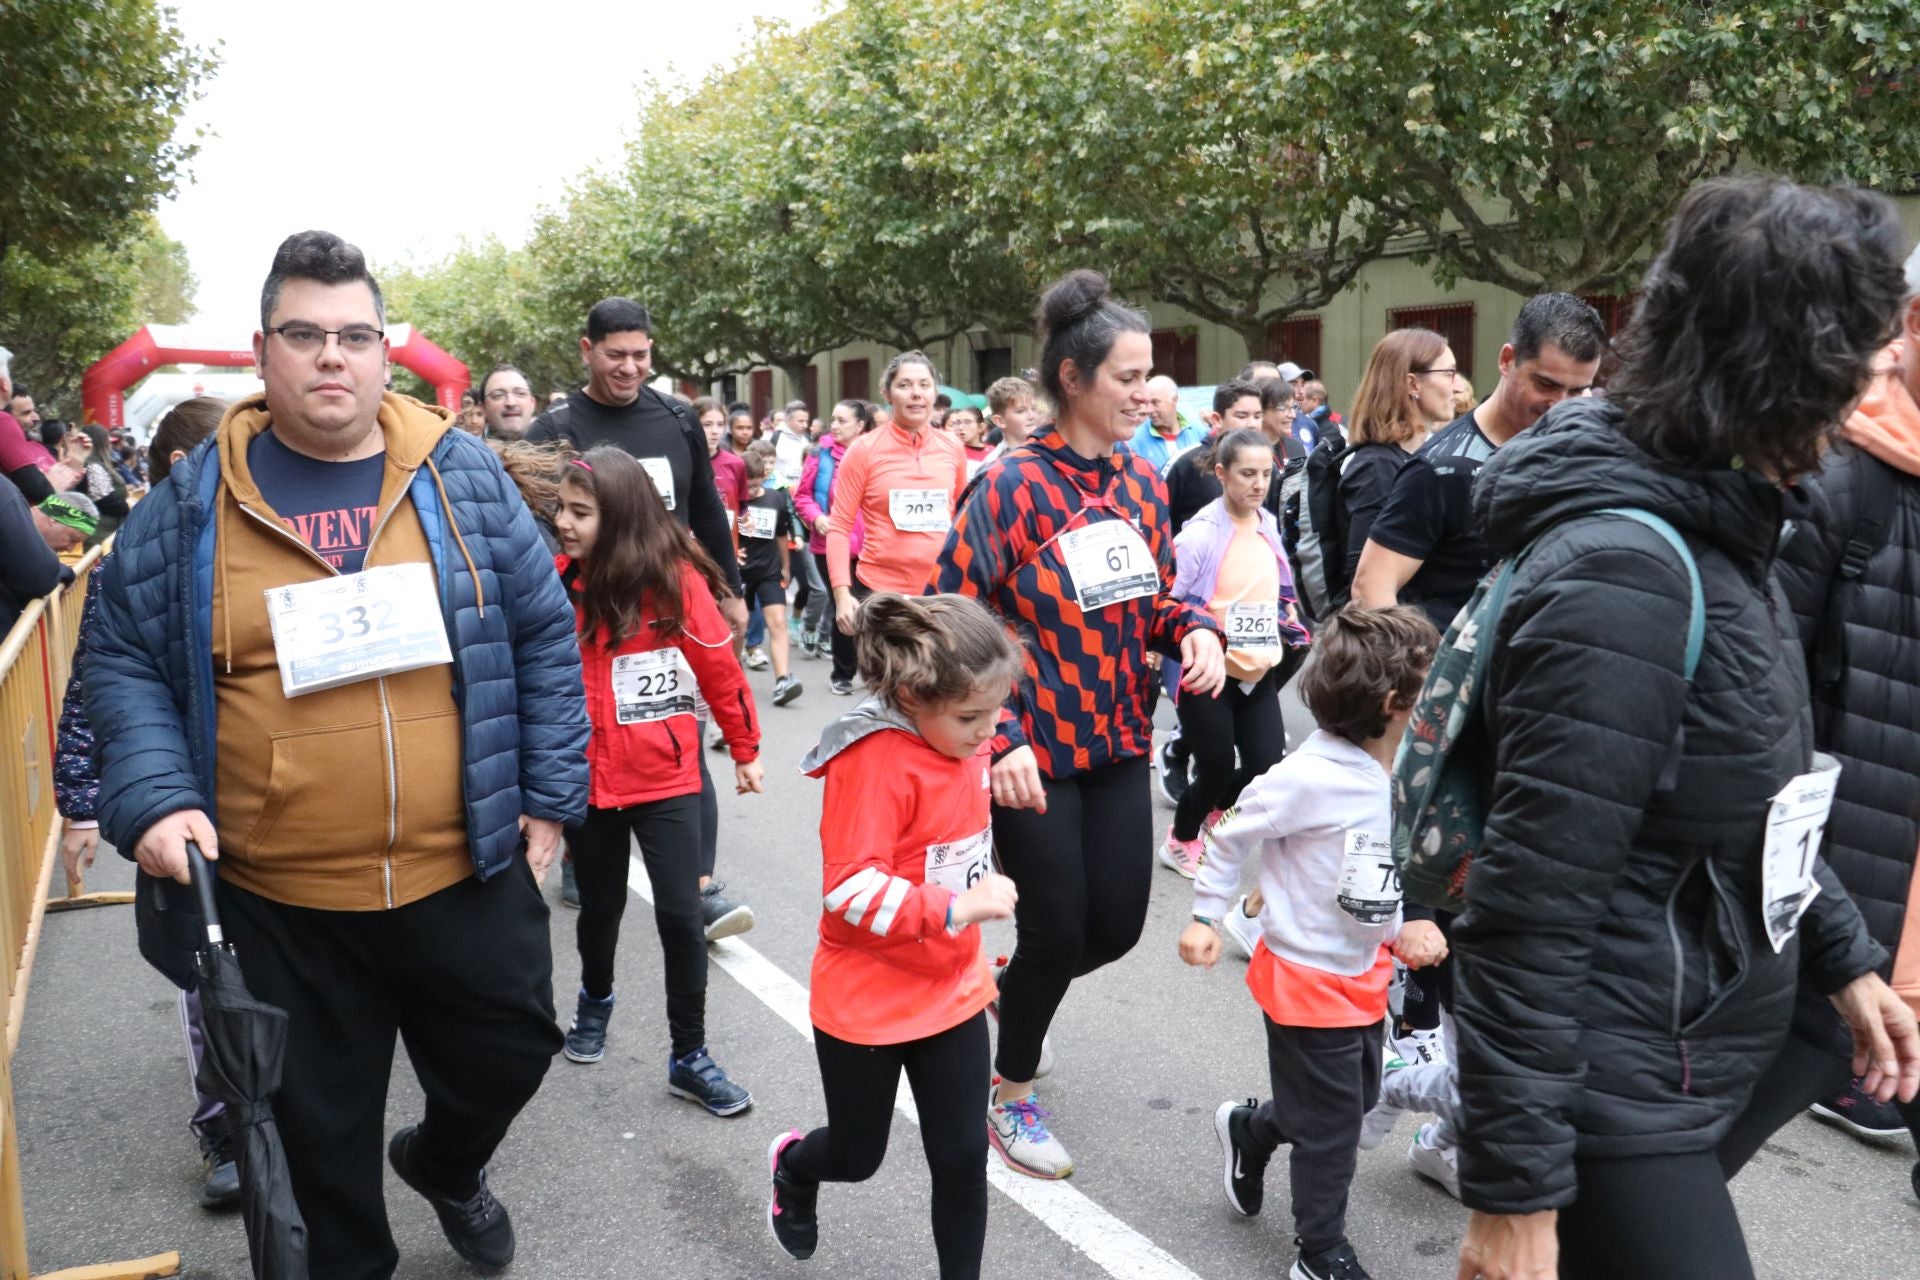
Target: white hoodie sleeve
x: 1264, y: 812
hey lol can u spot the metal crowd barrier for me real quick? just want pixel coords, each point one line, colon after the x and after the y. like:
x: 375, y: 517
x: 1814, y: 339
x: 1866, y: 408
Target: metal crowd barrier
x: 35, y: 659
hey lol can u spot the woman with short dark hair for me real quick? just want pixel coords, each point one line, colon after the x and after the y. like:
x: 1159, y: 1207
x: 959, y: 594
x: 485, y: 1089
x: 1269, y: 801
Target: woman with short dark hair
x: 1626, y: 959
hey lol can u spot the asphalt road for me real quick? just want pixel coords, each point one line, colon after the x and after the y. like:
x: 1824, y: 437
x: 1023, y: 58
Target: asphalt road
x: 608, y: 1176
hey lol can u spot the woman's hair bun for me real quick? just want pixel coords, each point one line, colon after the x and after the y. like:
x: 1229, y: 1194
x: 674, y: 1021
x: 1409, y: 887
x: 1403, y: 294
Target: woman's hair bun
x: 1073, y: 297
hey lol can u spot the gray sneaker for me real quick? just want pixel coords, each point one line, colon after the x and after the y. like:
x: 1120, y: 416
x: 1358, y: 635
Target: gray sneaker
x: 1018, y: 1131
x: 721, y: 915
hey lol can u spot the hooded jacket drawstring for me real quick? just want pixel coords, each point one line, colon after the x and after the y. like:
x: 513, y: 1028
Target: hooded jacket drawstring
x: 446, y: 503
x: 220, y: 539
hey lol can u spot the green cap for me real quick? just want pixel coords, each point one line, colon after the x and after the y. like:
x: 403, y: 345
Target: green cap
x: 73, y: 511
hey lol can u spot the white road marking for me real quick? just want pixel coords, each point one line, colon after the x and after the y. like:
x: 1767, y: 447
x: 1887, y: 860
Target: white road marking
x: 1109, y: 1243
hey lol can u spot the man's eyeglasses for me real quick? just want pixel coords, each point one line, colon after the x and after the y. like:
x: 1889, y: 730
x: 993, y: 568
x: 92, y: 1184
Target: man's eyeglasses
x: 357, y: 339
x: 501, y: 394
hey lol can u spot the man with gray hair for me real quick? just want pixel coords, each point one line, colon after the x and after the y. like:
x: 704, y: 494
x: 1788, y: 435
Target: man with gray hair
x: 1163, y: 437
x: 1849, y: 565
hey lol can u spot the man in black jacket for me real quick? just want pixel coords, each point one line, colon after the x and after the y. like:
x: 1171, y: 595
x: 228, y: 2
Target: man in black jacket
x: 1850, y: 566
x: 617, y: 407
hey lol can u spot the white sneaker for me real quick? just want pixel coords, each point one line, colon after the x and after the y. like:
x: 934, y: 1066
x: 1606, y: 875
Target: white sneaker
x: 1379, y: 1122
x: 1045, y: 1066
x: 1420, y: 1048
x: 1437, y: 1164
x: 1241, y: 929
x: 1018, y: 1131
x: 757, y: 659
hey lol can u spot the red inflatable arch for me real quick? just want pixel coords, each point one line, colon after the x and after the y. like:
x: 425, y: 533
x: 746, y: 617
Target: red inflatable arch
x: 102, y: 389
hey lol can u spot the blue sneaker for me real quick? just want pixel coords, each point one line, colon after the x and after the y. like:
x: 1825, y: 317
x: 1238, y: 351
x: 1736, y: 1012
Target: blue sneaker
x: 698, y: 1078
x: 587, y: 1037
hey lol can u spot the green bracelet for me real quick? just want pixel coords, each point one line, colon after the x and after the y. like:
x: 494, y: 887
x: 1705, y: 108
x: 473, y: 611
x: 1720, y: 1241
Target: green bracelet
x: 1211, y: 924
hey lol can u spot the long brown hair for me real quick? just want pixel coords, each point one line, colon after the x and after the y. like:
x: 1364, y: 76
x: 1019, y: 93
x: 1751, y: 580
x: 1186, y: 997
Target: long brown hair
x: 184, y: 426
x: 1382, y: 410
x: 639, y: 554
x: 535, y: 471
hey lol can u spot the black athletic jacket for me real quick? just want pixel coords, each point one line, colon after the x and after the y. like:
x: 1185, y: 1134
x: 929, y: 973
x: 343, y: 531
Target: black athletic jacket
x: 1867, y: 703
x: 1615, y: 990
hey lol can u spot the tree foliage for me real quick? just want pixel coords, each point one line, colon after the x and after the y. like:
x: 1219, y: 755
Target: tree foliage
x: 904, y: 170
x: 94, y: 90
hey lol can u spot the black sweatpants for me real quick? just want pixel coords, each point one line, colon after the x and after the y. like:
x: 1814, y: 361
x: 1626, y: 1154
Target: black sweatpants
x: 709, y: 812
x: 669, y: 836
x: 1210, y: 729
x: 845, y: 666
x: 463, y: 976
x: 949, y: 1077
x: 1801, y: 1074
x: 1665, y: 1217
x: 1325, y: 1080
x: 1083, y: 868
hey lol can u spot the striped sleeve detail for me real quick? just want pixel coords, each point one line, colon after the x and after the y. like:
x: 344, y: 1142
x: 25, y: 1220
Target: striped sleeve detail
x: 853, y: 897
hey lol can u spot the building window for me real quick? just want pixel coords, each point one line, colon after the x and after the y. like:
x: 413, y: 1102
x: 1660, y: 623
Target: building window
x: 990, y: 364
x: 760, y: 397
x: 1615, y: 309
x: 1297, y: 338
x: 856, y: 381
x: 1176, y: 353
x: 1451, y: 320
x: 810, y: 389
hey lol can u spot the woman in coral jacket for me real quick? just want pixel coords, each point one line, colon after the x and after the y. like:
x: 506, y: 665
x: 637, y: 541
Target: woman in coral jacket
x: 652, y: 642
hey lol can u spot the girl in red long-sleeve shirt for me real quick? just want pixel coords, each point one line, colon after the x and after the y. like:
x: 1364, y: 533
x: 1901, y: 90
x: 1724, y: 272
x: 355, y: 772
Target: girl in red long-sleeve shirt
x: 899, y: 980
x: 652, y: 641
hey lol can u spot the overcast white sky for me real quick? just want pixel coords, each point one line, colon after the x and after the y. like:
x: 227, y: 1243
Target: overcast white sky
x: 404, y: 125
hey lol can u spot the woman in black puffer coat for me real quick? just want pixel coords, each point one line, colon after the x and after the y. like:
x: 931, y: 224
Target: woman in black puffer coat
x: 1616, y: 992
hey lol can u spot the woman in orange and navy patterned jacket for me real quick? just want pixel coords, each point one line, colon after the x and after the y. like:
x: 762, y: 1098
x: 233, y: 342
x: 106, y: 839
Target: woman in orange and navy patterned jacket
x: 1068, y: 542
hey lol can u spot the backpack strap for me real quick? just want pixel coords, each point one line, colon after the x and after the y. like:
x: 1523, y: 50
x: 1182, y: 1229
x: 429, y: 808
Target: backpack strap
x: 1873, y: 498
x: 1697, y: 623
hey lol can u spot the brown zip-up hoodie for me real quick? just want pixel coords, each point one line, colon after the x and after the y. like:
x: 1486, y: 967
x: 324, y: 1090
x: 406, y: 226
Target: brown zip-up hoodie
x: 349, y: 799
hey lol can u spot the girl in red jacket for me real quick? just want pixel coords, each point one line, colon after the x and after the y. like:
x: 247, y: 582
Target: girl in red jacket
x: 899, y: 981
x: 652, y: 641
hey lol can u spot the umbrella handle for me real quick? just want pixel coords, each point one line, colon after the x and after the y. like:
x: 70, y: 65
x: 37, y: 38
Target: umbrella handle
x: 203, y: 878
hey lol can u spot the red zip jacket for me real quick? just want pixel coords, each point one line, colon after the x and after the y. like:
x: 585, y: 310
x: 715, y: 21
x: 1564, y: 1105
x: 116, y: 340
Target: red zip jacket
x: 656, y: 754
x: 1087, y: 698
x: 897, y: 815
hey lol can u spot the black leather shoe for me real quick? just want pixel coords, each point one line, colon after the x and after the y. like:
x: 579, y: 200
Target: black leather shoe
x: 477, y: 1227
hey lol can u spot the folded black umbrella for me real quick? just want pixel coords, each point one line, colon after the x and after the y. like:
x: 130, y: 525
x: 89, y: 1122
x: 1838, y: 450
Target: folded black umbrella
x: 243, y: 1047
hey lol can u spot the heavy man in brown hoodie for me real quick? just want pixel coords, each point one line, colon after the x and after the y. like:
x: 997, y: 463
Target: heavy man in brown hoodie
x: 374, y: 710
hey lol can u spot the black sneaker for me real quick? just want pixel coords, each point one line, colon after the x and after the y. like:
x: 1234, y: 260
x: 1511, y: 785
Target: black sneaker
x: 791, y: 1212
x: 1246, y: 1168
x: 698, y: 1078
x: 477, y: 1227
x: 222, y: 1189
x: 722, y: 916
x: 1337, y: 1263
x: 841, y: 687
x: 1173, y: 772
x: 569, y: 887
x: 1862, y: 1115
x: 587, y: 1037
x: 785, y: 690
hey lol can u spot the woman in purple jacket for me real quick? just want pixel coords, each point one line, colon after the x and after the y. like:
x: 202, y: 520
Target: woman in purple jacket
x: 813, y: 497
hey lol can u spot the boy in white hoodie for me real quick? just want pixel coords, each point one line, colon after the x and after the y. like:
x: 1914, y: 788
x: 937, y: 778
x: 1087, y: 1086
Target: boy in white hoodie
x: 1320, y: 823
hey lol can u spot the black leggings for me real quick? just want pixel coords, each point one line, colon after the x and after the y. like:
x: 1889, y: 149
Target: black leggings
x: 709, y: 811
x: 669, y: 835
x: 948, y: 1074
x: 844, y: 667
x: 1666, y: 1217
x: 1083, y: 868
x: 1801, y: 1074
x: 1429, y: 990
x: 1211, y: 728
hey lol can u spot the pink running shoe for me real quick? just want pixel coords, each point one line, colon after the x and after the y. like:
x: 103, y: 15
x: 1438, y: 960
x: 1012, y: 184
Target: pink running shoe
x: 1182, y: 856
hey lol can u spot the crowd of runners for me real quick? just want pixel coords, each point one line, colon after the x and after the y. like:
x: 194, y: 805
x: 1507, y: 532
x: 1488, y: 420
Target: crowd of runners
x: 1651, y: 607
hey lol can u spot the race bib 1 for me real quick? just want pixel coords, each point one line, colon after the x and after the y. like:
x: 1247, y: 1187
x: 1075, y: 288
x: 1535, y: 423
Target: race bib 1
x: 1369, y: 882
x: 356, y: 626
x: 920, y: 510
x: 758, y: 522
x: 660, y: 471
x: 959, y: 864
x: 1253, y: 626
x: 655, y: 685
x: 1109, y: 562
x: 1796, y: 823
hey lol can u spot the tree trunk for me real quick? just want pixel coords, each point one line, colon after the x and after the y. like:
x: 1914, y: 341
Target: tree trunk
x: 796, y: 373
x: 1258, y: 337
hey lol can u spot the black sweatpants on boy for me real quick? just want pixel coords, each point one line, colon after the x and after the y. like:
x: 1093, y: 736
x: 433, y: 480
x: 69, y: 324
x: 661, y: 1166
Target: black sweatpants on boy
x: 949, y: 1077
x: 669, y: 835
x: 463, y: 976
x: 1325, y: 1080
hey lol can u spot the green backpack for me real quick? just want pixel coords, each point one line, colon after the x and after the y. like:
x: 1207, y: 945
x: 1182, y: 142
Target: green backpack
x: 1442, y: 772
